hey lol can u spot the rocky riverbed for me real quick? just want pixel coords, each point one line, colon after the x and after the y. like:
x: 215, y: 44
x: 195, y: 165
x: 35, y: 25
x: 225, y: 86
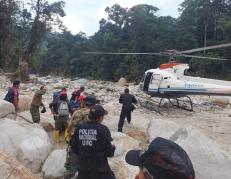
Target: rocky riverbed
x: 205, y: 134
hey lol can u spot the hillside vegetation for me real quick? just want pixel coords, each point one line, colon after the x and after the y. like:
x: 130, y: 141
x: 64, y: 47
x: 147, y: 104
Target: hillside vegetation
x: 26, y: 35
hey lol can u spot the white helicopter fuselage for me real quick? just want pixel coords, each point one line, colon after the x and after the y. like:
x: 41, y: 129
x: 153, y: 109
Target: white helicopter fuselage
x: 170, y: 81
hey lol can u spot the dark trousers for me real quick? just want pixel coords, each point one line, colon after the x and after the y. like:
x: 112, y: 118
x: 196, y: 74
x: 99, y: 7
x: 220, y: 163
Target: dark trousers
x: 96, y: 175
x: 125, y: 113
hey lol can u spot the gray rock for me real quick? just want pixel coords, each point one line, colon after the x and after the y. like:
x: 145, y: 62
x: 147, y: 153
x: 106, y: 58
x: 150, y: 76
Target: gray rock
x: 54, y: 165
x: 28, y: 143
x: 209, y: 160
x: 6, y: 108
x: 122, y: 82
x: 12, y: 169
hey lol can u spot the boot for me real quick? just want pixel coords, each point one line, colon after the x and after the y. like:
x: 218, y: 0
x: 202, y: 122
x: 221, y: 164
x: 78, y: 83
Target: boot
x: 57, y: 137
x: 67, y: 136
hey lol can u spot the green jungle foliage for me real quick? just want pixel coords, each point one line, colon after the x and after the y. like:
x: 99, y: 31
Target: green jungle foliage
x: 24, y: 36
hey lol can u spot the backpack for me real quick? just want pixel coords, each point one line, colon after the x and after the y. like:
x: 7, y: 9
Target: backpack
x: 56, y: 95
x: 63, y: 109
x: 9, y: 96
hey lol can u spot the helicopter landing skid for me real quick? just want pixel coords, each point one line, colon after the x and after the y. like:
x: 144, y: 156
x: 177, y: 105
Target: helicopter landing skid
x: 148, y: 104
x: 178, y: 103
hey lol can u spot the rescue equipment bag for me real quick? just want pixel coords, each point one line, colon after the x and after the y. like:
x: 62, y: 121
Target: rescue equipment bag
x: 9, y: 96
x: 63, y: 109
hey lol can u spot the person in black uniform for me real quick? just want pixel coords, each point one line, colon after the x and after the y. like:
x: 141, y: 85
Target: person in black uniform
x: 92, y: 143
x: 126, y: 99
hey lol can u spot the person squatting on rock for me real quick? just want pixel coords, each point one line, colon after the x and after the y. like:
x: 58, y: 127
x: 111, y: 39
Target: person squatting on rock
x: 12, y: 95
x: 36, y: 103
x: 79, y: 116
x: 126, y: 99
x: 61, y: 109
x: 92, y: 143
x: 163, y: 159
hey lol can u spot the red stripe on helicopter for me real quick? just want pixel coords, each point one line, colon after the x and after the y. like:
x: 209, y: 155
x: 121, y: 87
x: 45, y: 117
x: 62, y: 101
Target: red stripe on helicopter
x: 168, y: 65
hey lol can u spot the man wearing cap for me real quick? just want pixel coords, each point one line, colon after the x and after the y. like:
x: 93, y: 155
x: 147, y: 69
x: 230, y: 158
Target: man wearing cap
x: 163, y: 159
x: 92, y: 143
x: 12, y: 95
x: 61, y: 109
x: 79, y: 116
x: 36, y: 103
x: 126, y: 99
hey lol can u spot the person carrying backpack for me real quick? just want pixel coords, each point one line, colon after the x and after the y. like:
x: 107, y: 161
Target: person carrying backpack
x: 60, y: 109
x: 12, y: 95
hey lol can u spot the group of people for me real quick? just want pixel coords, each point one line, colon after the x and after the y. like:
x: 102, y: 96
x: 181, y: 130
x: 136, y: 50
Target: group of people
x: 90, y: 142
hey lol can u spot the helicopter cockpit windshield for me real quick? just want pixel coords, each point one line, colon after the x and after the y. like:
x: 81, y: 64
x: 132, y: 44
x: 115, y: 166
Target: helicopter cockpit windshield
x: 190, y: 72
x: 147, y: 81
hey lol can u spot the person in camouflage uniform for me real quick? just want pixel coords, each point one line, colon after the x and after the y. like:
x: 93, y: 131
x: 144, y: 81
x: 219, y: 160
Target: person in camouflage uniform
x: 36, y: 103
x: 80, y: 116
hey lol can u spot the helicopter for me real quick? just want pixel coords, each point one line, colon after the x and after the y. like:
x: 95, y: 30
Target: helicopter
x: 175, y: 80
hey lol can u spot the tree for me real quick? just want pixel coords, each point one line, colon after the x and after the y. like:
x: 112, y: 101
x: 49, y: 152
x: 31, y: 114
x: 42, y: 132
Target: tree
x: 8, y: 9
x: 46, y: 16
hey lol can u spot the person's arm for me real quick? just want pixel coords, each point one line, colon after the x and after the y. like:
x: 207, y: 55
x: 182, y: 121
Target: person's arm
x: 106, y: 139
x: 134, y: 100
x: 70, y: 109
x: 70, y: 125
x: 74, y: 142
x: 15, y: 100
x: 51, y: 106
x: 120, y: 100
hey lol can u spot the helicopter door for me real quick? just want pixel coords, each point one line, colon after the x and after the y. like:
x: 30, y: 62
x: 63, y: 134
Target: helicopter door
x: 155, y: 83
x: 147, y: 81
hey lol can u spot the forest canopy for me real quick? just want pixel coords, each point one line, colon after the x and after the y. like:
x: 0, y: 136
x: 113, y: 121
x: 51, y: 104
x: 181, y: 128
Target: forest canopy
x: 26, y: 34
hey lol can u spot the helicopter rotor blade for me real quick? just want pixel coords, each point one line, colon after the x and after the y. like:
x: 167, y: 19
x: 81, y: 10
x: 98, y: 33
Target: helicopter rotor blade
x: 121, y: 53
x: 201, y: 57
x: 206, y: 48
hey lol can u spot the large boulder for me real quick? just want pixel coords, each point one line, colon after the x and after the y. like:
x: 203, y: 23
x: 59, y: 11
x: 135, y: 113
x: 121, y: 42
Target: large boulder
x: 10, y: 168
x: 54, y: 165
x: 6, y: 108
x: 46, y: 119
x: 139, y: 121
x: 122, y: 82
x: 33, y: 151
x: 121, y: 169
x: 28, y: 143
x: 209, y: 160
x: 112, y: 108
x: 123, y: 143
x: 222, y: 100
x: 24, y: 103
x: 138, y: 135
